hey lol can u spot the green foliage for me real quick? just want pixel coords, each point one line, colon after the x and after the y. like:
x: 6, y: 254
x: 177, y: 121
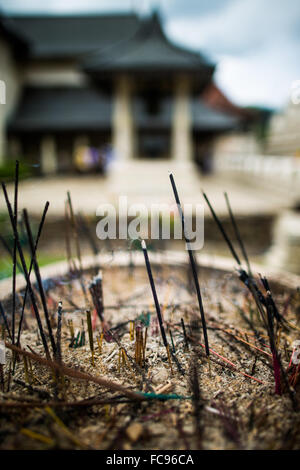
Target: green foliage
x: 7, y: 170
x: 6, y: 263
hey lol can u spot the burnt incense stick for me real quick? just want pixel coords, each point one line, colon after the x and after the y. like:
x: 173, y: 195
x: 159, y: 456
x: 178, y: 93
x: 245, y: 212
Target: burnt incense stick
x: 278, y: 369
x: 61, y: 404
x: 58, y: 332
x: 77, y: 246
x: 193, y: 264
x: 71, y: 328
x: 72, y: 267
x: 96, y: 291
x: 244, y: 277
x: 38, y: 277
x: 198, y: 406
x: 40, y: 228
x: 270, y: 330
x: 172, y: 342
x: 145, y: 344
x: 237, y: 233
x: 138, y: 344
x: 222, y: 230
x: 2, y: 378
x: 90, y: 330
x: 5, y: 320
x: 184, y: 334
x: 266, y: 285
x: 77, y: 374
x: 157, y: 306
x: 20, y: 251
x: 84, y: 226
x: 13, y: 314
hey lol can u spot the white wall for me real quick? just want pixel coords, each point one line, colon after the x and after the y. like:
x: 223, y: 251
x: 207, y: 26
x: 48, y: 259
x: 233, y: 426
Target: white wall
x: 54, y: 75
x: 284, y: 135
x: 241, y: 143
x: 11, y: 76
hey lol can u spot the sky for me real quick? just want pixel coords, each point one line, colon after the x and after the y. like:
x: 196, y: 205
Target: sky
x: 255, y: 43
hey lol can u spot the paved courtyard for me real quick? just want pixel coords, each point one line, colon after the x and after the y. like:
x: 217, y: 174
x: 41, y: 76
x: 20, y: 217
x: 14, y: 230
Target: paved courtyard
x: 88, y: 192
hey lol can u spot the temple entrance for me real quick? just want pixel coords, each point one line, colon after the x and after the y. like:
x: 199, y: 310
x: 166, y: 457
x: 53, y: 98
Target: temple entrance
x: 203, y: 152
x: 154, y: 145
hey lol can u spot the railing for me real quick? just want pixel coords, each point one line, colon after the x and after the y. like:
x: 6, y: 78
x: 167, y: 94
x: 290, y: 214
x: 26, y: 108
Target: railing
x: 283, y: 170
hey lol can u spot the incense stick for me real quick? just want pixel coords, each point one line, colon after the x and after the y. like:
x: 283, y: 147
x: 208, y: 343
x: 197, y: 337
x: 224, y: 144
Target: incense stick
x: 244, y: 277
x: 41, y: 225
x: 196, y: 401
x: 77, y: 245
x: 72, y: 266
x: 222, y: 230
x: 77, y: 374
x: 184, y: 334
x: 157, y: 306
x: 38, y: 277
x: 58, y: 332
x: 89, y: 236
x: 237, y: 233
x: 5, y: 320
x: 90, y: 331
x: 193, y: 264
x: 13, y: 317
x: 15, y: 231
x: 96, y: 291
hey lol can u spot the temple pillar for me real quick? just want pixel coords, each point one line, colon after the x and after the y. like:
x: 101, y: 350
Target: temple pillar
x: 123, y: 128
x: 182, y: 121
x: 48, y: 155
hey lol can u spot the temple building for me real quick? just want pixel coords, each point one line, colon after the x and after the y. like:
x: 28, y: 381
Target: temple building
x: 83, y: 92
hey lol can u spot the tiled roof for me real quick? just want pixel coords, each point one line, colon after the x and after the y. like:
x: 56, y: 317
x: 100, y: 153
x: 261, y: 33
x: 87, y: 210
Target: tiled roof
x: 60, y: 109
x: 148, y: 49
x: 72, y: 36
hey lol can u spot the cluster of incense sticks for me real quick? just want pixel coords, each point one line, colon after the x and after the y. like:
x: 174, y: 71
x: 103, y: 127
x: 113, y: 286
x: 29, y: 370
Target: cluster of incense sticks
x: 266, y: 306
x: 193, y: 264
x: 25, y: 270
x: 123, y: 361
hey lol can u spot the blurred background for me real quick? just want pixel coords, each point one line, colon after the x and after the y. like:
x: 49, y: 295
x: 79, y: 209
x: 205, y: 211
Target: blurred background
x: 103, y: 98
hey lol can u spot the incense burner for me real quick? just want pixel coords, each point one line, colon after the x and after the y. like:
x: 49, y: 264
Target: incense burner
x: 126, y: 395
